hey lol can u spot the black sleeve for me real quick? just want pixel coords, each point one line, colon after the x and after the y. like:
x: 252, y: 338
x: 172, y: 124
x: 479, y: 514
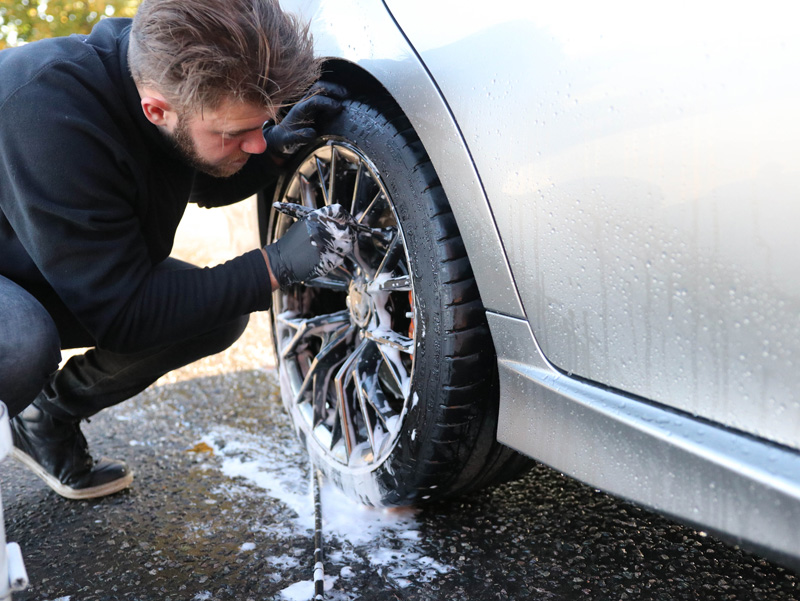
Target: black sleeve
x: 69, y: 187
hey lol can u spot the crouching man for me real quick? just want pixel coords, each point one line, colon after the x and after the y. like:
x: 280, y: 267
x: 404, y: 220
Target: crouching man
x: 103, y: 140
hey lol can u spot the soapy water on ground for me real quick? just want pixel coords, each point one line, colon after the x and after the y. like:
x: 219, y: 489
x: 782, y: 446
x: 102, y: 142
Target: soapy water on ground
x: 384, y: 539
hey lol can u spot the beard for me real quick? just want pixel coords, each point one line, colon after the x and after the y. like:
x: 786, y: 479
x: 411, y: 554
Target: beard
x: 183, y: 143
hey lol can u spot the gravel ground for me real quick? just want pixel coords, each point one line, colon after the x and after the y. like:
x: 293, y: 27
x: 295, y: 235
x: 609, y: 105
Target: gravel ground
x: 221, y: 509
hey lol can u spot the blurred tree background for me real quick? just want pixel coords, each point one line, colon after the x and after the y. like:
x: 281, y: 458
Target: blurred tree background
x: 24, y: 21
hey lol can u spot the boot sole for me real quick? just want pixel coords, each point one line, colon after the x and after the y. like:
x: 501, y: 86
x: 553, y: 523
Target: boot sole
x: 65, y: 491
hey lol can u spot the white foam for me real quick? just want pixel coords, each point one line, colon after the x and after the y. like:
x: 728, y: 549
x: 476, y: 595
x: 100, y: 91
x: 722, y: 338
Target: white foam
x: 304, y: 590
x: 369, y: 537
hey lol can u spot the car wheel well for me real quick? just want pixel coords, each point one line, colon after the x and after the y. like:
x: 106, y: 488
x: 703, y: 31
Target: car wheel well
x: 357, y: 81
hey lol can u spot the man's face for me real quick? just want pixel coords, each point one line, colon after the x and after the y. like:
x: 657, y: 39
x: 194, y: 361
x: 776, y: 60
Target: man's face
x: 220, y: 141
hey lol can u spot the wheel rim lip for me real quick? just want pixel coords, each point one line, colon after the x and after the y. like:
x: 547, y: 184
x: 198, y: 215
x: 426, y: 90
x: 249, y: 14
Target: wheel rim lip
x: 363, y: 325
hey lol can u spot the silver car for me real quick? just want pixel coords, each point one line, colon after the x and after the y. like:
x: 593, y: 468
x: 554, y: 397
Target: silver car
x: 585, y: 252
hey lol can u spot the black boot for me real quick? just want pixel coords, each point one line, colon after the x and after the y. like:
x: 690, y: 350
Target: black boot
x: 57, y: 452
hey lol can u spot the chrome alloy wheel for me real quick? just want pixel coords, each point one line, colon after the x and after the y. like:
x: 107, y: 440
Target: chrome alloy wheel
x: 345, y: 341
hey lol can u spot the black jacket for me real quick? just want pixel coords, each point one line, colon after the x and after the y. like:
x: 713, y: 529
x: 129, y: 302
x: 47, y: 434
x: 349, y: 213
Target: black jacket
x: 91, y: 195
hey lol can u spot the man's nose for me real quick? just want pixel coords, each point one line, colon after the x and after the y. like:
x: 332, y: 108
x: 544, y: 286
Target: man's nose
x: 254, y: 143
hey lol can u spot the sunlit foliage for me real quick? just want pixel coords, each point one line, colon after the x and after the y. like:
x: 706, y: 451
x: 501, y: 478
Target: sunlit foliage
x: 23, y: 21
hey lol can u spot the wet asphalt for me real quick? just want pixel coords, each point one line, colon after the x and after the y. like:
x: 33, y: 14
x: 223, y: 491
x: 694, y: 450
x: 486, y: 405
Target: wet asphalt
x: 189, y: 530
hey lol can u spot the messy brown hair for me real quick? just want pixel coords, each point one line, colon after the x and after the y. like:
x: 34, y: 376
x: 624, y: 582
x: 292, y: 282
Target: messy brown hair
x: 197, y: 53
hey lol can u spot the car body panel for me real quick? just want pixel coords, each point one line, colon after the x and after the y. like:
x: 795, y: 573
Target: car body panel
x: 643, y: 172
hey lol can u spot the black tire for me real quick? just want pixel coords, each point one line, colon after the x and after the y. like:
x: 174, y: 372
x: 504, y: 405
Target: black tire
x: 405, y: 333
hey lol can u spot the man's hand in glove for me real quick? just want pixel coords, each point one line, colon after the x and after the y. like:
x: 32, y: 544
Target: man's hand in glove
x: 312, y: 246
x: 297, y: 128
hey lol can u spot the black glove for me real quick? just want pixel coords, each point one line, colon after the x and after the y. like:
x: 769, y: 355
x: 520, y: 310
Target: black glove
x: 312, y: 247
x: 296, y: 129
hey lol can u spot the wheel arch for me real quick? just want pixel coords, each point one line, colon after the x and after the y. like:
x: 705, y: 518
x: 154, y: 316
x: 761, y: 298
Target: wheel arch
x: 357, y: 80
x: 410, y: 86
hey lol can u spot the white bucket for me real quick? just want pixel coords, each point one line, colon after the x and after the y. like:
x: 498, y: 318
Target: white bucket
x: 13, y: 576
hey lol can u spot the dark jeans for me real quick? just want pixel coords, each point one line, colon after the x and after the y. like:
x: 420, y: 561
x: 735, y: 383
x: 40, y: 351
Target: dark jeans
x: 30, y: 351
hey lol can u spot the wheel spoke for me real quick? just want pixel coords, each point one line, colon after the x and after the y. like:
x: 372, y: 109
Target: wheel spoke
x: 390, y: 284
x: 321, y: 174
x: 391, y: 339
x: 344, y: 411
x: 371, y: 205
x: 322, y: 326
x: 371, y: 401
x: 391, y: 358
x: 362, y: 396
x: 329, y: 282
x: 356, y: 187
x: 331, y: 196
x: 367, y: 371
x: 320, y: 371
x: 307, y: 192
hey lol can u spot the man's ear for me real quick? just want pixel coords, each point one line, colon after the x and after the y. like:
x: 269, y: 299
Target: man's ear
x: 158, y: 111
